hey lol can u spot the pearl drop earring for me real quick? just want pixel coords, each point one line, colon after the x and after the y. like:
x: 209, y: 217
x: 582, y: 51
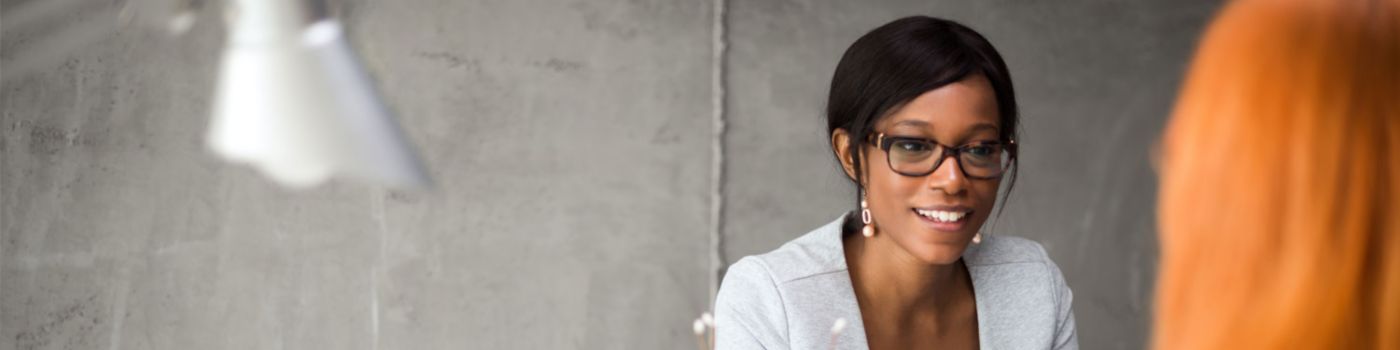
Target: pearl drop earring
x: 869, y: 229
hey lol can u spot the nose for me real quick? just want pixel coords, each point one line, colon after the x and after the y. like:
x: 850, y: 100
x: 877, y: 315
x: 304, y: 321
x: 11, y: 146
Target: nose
x: 948, y: 177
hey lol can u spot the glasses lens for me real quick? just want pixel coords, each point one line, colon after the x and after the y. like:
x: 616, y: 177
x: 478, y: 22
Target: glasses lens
x: 985, y: 160
x: 913, y: 156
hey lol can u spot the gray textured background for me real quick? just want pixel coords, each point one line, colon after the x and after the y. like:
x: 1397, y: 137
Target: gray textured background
x: 570, y: 141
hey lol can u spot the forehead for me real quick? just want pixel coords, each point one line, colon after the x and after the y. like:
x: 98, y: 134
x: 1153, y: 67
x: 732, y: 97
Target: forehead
x: 948, y: 111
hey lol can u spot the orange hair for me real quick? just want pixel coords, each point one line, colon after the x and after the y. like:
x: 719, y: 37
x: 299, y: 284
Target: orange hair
x: 1280, y: 180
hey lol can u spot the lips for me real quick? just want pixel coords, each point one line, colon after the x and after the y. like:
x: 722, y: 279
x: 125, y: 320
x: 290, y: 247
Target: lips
x: 950, y: 219
x: 942, y: 215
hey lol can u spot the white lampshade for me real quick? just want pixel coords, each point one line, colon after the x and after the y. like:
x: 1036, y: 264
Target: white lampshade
x: 294, y: 102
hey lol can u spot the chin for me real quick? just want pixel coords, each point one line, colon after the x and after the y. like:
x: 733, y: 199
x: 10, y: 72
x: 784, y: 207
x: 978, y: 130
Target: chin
x: 938, y: 253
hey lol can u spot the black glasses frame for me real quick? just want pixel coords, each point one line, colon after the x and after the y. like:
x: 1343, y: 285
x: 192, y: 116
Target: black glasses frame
x: 886, y: 142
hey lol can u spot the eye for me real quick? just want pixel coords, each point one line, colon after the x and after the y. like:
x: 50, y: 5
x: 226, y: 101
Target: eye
x: 983, y: 155
x: 983, y: 150
x: 910, y: 151
x: 910, y: 146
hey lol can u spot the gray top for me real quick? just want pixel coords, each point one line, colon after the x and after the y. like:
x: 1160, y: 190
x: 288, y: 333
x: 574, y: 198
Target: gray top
x: 789, y: 298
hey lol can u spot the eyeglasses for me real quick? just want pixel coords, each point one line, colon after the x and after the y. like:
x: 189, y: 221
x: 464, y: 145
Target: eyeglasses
x: 910, y: 156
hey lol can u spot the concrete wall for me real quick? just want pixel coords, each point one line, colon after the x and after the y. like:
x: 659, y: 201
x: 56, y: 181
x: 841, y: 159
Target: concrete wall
x: 570, y: 141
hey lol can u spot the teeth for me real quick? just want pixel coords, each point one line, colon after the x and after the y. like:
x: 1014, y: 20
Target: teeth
x: 942, y: 216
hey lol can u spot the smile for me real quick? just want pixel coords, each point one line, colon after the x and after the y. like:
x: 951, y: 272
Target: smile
x: 942, y: 215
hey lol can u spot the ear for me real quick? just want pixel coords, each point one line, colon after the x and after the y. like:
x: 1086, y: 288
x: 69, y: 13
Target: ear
x: 840, y: 142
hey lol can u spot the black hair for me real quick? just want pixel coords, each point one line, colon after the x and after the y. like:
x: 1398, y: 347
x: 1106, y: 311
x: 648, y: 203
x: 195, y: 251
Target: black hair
x: 897, y: 62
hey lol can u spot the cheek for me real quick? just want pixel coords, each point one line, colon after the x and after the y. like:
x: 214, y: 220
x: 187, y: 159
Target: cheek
x: 985, y: 190
x: 984, y: 194
x: 890, y: 192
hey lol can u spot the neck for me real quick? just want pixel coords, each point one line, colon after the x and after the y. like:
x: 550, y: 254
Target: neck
x: 893, y: 282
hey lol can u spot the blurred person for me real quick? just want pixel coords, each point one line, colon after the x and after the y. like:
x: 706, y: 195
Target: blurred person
x: 922, y: 118
x: 1280, y: 172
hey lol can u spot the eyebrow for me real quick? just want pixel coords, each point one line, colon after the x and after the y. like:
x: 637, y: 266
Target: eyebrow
x: 911, y: 122
x: 924, y: 124
x: 987, y: 126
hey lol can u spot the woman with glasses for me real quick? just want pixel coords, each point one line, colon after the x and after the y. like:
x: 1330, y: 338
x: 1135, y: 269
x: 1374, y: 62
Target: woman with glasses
x: 922, y: 118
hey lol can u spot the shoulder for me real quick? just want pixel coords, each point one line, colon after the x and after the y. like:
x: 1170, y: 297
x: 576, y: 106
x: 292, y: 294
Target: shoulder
x: 760, y: 293
x: 1021, y: 286
x: 757, y: 281
x: 1009, y: 260
x: 815, y: 253
x: 749, y: 309
x: 999, y: 249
